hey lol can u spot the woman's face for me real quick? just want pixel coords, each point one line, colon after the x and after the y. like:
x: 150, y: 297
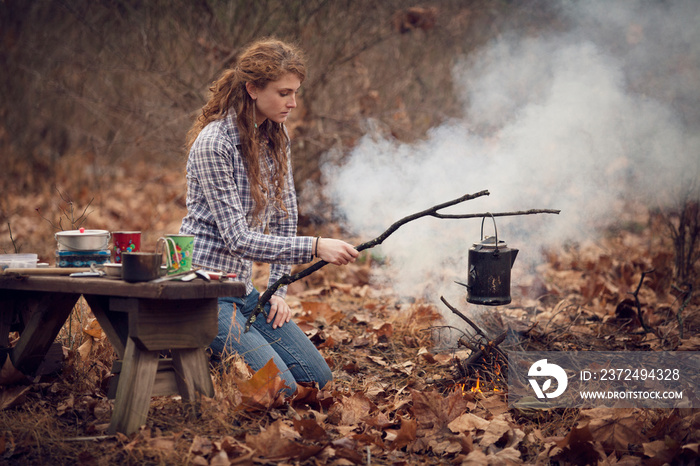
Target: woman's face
x: 276, y: 100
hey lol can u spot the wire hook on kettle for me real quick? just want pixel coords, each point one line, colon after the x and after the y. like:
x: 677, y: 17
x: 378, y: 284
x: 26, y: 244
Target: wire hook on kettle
x: 494, y: 228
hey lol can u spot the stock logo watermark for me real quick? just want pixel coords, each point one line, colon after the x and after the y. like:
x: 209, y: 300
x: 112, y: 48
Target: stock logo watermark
x: 542, y: 368
x: 588, y: 379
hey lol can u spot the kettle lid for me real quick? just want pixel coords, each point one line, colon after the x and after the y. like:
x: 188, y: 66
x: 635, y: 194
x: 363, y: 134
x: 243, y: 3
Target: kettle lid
x: 490, y: 242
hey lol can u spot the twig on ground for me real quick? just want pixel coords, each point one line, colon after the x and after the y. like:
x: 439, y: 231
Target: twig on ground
x: 688, y: 293
x: 463, y: 317
x: 485, y: 349
x: 95, y: 438
x: 635, y: 293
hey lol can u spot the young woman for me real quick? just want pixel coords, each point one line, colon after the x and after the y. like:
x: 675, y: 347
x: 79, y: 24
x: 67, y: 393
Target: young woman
x: 242, y: 208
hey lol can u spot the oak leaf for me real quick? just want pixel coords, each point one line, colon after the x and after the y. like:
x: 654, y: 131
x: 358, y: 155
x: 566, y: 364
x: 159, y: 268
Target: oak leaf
x: 661, y: 451
x: 263, y: 390
x: 496, y: 429
x: 379, y: 420
x: 320, y: 312
x: 383, y: 330
x: 443, y: 447
x: 577, y: 447
x: 85, y: 348
x: 347, y: 449
x: 94, y: 330
x: 277, y: 443
x: 468, y: 422
x: 505, y: 457
x: 475, y: 458
x: 350, y: 411
x: 434, y: 411
x: 311, y: 430
x: 616, y: 429
x: 405, y: 435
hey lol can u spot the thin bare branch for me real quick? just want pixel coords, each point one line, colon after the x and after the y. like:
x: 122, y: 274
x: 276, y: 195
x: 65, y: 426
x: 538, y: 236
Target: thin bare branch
x: 498, y: 214
x: 14, y: 244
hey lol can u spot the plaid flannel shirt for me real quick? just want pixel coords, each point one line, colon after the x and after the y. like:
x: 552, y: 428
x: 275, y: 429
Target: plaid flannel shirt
x: 220, y: 205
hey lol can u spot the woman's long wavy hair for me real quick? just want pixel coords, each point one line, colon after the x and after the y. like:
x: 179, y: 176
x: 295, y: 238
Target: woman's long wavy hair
x: 260, y: 63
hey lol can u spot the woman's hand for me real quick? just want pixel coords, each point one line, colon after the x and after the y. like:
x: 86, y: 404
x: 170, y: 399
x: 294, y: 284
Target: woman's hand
x: 280, y: 312
x: 335, y: 251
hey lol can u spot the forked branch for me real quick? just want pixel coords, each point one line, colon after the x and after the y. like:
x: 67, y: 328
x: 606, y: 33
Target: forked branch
x: 431, y: 212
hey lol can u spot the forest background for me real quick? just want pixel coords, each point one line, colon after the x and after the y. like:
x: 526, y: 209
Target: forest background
x: 588, y: 107
x: 97, y: 97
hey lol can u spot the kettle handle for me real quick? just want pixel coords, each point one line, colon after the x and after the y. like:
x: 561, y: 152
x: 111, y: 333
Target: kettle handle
x: 494, y: 227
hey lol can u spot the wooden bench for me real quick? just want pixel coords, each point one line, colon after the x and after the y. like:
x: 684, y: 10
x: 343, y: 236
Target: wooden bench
x: 141, y: 320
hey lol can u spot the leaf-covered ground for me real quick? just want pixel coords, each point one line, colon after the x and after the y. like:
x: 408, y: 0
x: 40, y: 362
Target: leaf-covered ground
x: 401, y: 394
x: 103, y: 150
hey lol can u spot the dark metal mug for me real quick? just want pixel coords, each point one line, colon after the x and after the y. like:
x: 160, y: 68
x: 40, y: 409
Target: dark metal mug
x: 141, y: 266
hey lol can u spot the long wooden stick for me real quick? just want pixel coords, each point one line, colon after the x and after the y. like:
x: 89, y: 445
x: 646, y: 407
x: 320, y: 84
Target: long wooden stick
x: 463, y: 317
x: 431, y: 212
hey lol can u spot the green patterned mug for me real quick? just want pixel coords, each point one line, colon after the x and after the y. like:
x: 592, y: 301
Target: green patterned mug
x: 180, y: 249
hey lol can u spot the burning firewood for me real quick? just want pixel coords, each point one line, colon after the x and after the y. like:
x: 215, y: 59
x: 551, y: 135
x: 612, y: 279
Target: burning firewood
x: 484, y: 349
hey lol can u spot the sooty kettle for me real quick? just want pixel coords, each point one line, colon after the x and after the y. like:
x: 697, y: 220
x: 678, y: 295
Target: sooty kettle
x: 488, y: 270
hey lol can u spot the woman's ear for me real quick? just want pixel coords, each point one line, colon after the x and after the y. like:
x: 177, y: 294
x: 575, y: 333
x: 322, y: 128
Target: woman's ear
x: 252, y: 90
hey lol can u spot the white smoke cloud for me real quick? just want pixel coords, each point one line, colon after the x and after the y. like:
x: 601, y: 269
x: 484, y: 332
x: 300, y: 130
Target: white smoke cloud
x: 579, y: 121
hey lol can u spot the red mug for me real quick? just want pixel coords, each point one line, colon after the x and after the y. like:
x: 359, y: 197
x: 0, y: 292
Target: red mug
x: 125, y: 241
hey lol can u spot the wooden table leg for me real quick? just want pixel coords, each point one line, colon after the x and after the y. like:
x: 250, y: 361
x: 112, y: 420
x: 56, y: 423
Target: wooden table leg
x: 134, y: 390
x: 47, y: 312
x: 184, y: 328
x: 7, y: 316
x: 115, y: 324
x: 192, y: 377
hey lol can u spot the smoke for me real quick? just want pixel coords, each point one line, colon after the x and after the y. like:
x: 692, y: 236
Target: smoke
x: 583, y: 121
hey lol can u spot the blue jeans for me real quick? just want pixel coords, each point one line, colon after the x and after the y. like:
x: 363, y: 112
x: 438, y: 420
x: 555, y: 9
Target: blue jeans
x: 288, y: 346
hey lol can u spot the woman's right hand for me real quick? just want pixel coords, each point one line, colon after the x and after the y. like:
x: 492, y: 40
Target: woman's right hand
x: 335, y: 251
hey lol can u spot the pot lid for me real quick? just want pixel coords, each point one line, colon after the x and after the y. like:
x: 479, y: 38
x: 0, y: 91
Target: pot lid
x: 71, y: 233
x: 490, y: 242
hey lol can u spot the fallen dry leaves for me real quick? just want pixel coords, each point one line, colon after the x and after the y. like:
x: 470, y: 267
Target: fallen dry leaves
x: 263, y: 390
x: 398, y: 397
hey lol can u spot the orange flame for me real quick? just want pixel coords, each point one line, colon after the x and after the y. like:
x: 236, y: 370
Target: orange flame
x: 477, y: 387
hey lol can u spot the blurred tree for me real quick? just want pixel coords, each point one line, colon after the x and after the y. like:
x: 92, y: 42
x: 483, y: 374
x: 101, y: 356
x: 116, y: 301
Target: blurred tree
x: 122, y: 80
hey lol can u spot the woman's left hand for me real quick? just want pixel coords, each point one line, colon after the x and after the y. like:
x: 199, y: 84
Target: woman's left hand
x: 280, y: 312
